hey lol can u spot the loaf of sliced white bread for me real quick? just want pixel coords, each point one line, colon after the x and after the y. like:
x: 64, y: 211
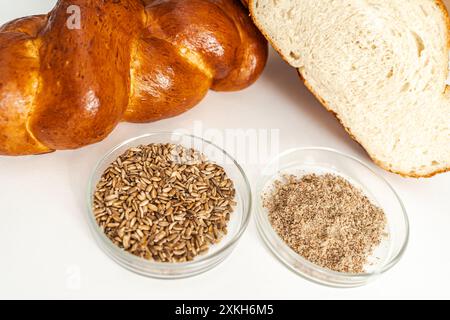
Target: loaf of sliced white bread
x: 380, y: 65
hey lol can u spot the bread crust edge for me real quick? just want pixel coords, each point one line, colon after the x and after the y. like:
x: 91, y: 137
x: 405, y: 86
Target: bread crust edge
x: 378, y: 162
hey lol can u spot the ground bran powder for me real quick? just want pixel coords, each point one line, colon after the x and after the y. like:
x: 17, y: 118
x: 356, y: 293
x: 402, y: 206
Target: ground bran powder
x: 326, y: 219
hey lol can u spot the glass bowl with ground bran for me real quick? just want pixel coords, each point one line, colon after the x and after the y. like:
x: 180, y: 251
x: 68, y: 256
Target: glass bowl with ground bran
x: 168, y: 205
x: 329, y: 217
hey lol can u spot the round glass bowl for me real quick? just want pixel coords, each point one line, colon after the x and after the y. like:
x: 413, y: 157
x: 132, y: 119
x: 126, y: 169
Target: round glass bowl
x: 320, y: 161
x: 218, y: 252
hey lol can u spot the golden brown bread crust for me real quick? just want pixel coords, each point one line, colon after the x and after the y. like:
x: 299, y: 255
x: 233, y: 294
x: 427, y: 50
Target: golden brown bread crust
x: 159, y: 91
x: 214, y: 45
x: 205, y: 32
x: 19, y: 65
x: 85, y: 73
x: 324, y: 103
x: 29, y: 25
x: 131, y: 60
x: 252, y: 51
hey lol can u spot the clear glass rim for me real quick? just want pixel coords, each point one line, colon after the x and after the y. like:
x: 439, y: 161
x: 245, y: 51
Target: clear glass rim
x: 163, y: 265
x: 358, y: 277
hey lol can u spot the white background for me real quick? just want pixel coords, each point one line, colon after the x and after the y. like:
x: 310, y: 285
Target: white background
x: 45, y: 242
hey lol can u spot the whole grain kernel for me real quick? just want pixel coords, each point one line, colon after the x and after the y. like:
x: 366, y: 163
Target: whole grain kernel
x: 164, y: 202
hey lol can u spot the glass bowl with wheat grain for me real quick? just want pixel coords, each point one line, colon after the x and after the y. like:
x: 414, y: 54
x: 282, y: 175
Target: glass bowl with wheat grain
x: 168, y: 205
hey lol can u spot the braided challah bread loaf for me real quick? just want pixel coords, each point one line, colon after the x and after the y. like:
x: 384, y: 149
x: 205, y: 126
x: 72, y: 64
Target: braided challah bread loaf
x: 64, y: 87
x: 380, y: 65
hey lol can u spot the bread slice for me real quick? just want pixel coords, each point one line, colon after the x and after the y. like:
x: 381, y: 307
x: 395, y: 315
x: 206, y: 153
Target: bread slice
x: 381, y: 66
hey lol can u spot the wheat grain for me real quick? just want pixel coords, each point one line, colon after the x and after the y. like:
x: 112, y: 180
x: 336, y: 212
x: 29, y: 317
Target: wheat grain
x: 164, y: 202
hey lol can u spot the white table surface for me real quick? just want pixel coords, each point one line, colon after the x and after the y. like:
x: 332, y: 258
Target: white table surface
x: 47, y: 251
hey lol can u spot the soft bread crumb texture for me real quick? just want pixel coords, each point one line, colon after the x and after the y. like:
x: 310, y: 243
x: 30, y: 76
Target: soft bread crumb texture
x: 380, y: 66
